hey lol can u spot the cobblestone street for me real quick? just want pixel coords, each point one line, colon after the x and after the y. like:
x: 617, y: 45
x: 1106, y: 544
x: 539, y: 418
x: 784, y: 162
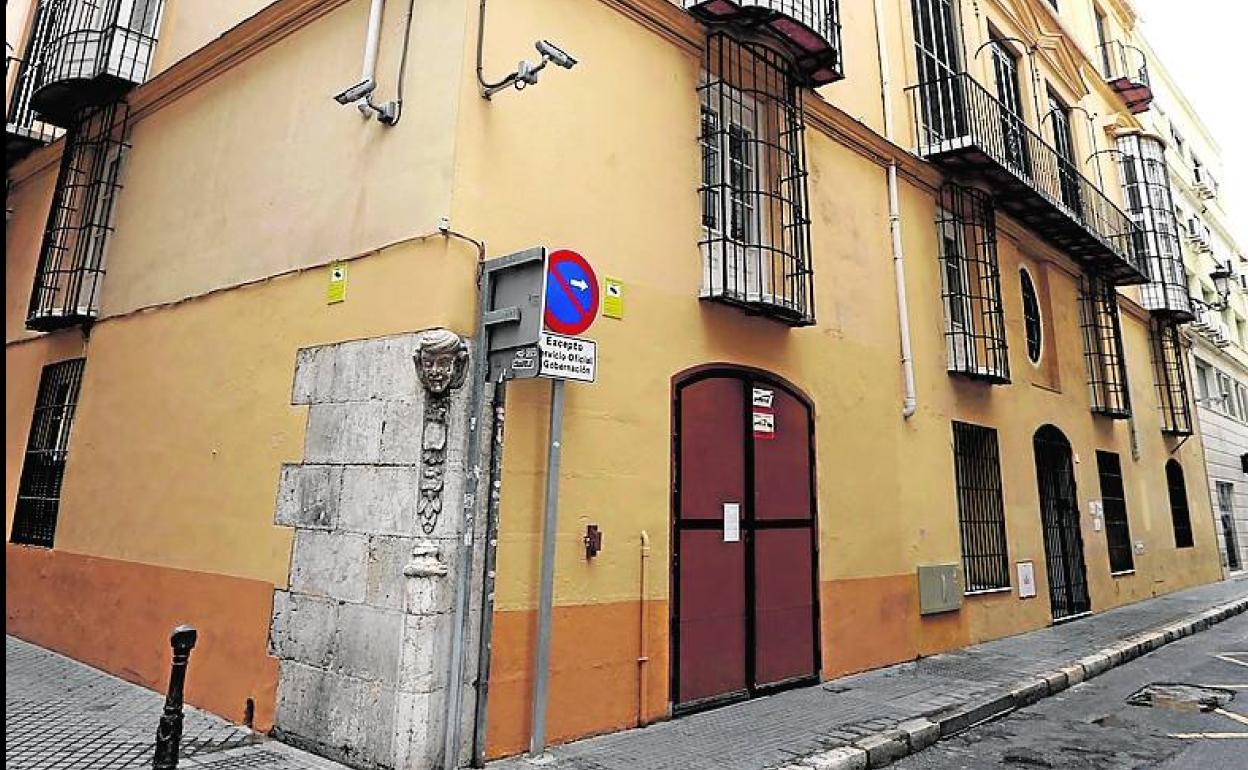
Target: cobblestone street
x: 62, y: 715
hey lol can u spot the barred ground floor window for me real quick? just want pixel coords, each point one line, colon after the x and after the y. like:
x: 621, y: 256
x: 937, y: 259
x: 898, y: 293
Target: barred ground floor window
x: 981, y: 507
x: 47, y: 447
x: 1114, y: 504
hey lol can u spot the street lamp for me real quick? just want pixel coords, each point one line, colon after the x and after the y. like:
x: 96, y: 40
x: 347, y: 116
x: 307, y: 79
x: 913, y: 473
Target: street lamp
x: 1221, y: 276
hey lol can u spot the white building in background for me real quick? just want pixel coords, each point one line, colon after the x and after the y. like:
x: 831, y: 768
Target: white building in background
x: 1217, y: 277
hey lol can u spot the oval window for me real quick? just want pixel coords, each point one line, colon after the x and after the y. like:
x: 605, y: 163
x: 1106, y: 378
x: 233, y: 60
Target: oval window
x: 1031, y: 317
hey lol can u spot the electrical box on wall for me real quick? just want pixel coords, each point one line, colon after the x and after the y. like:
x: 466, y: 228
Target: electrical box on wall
x: 940, y: 589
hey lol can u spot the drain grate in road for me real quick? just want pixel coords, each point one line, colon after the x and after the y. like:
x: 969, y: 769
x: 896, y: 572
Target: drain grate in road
x: 1180, y: 697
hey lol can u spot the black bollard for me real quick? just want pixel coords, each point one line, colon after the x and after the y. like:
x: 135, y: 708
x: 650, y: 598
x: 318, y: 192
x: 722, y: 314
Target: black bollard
x: 169, y: 732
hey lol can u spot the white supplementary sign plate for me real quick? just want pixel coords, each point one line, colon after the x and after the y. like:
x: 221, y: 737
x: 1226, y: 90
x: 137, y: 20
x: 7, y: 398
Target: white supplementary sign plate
x: 1026, y: 580
x: 569, y: 358
x: 732, y: 522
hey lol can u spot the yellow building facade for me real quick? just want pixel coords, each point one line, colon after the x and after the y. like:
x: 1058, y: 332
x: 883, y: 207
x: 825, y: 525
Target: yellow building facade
x: 242, y: 182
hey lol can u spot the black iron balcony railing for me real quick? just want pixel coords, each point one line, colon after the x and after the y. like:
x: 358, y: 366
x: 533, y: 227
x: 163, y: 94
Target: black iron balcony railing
x: 1125, y: 69
x: 808, y: 30
x: 963, y: 128
x: 23, y: 131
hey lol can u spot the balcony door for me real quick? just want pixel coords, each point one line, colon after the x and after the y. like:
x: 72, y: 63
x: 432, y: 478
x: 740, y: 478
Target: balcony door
x: 939, y: 63
x: 1067, y: 166
x: 744, y: 608
x: 1009, y: 94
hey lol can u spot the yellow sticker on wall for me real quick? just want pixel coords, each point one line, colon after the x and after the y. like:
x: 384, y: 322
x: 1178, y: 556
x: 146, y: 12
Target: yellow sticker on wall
x: 613, y: 298
x: 337, y: 290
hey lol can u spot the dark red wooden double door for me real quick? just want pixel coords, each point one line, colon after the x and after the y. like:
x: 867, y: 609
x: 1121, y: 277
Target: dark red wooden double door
x: 744, y: 609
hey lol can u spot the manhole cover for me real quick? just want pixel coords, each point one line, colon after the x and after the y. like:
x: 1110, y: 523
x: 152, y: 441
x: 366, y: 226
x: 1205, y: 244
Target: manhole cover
x: 1180, y: 697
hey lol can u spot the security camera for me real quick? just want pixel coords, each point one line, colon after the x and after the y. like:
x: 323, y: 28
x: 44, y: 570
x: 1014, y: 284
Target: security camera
x: 554, y: 53
x: 356, y: 92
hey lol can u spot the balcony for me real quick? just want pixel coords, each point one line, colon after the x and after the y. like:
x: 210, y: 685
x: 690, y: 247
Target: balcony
x: 23, y: 131
x: 808, y: 31
x: 1147, y: 195
x: 92, y: 53
x: 965, y: 130
x: 1125, y: 69
x: 1204, y: 184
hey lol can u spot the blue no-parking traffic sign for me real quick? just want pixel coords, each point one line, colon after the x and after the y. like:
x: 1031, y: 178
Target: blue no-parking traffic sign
x: 571, y: 293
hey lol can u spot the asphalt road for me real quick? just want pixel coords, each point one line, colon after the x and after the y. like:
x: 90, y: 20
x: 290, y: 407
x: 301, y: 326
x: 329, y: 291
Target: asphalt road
x: 1092, y: 727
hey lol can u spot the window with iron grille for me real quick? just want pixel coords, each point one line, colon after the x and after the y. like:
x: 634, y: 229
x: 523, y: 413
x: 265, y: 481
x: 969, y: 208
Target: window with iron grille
x: 966, y: 229
x: 1170, y: 372
x: 39, y: 491
x: 25, y: 130
x: 755, y: 227
x: 981, y: 509
x: 71, y: 259
x: 1179, y: 514
x: 1033, y: 326
x: 1102, y: 348
x: 1114, y: 503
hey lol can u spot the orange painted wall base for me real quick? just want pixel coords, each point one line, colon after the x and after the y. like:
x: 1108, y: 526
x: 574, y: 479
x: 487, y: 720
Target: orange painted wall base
x: 594, y: 678
x: 117, y: 615
x: 873, y: 622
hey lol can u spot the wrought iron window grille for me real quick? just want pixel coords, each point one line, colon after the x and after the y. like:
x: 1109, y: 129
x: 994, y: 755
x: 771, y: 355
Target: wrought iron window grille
x: 971, y: 285
x: 24, y: 129
x: 981, y: 508
x: 47, y: 447
x: 755, y: 224
x: 809, y: 31
x: 1146, y: 191
x: 1170, y: 372
x: 1180, y: 514
x: 959, y: 125
x: 1103, y: 348
x: 94, y: 51
x: 1114, y: 505
x: 72, y: 258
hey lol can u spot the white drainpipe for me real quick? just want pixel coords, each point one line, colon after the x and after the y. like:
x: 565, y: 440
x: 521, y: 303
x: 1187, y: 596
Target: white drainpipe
x: 910, y: 403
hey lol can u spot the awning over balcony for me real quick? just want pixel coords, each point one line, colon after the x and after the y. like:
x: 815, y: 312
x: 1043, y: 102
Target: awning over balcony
x: 961, y: 127
x: 808, y: 30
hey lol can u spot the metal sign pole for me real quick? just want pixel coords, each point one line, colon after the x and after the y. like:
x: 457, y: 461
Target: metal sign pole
x: 537, y: 743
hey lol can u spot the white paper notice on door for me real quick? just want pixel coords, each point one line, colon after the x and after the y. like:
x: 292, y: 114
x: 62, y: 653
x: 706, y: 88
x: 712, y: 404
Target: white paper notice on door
x: 732, y: 522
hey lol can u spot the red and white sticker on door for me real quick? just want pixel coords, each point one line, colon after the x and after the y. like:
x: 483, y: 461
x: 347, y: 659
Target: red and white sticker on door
x: 764, y: 418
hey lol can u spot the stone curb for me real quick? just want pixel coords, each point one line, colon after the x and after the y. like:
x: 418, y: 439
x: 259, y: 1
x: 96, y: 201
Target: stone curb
x: 914, y: 735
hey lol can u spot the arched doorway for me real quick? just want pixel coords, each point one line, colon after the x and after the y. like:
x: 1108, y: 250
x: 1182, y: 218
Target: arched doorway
x: 745, y: 614
x: 1059, y: 515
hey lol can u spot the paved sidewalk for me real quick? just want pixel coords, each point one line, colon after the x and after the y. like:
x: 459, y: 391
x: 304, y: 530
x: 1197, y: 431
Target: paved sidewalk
x: 874, y: 717
x: 62, y: 715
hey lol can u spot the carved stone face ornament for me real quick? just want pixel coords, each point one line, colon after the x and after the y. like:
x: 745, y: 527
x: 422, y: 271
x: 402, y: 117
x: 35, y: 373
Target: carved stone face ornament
x: 441, y: 361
